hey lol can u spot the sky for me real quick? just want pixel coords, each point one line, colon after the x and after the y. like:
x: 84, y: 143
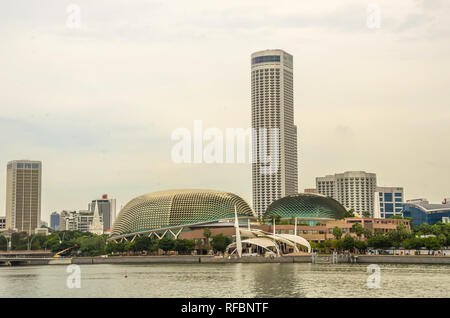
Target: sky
x: 98, y: 104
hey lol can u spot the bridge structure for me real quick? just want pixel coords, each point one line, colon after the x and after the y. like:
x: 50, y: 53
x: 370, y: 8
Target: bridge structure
x: 32, y: 257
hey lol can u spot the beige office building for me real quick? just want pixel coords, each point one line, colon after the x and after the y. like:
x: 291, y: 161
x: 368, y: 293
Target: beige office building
x: 23, y: 195
x: 353, y: 189
x: 273, y: 110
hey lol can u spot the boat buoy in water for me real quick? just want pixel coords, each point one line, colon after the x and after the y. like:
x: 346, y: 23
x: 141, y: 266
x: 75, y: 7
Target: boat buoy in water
x: 126, y: 275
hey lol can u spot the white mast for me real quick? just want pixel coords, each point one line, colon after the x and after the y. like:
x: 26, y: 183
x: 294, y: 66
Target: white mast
x: 295, y: 230
x: 238, y: 234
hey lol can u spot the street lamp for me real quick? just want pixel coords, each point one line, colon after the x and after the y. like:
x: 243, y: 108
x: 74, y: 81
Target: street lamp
x: 8, y: 239
x: 61, y: 240
x: 31, y: 241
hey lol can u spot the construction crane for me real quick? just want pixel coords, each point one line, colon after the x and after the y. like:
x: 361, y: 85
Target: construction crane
x: 58, y: 255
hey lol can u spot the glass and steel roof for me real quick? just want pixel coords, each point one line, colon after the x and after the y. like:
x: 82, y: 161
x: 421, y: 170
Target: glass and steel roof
x: 307, y: 206
x: 165, y: 209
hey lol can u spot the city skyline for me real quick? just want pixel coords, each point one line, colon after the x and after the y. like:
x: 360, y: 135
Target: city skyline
x: 371, y: 100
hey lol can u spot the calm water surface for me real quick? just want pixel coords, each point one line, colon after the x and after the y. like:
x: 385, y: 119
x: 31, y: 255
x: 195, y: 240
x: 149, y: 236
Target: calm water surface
x: 226, y: 280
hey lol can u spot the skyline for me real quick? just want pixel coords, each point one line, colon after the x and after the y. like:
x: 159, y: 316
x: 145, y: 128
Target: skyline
x: 97, y: 105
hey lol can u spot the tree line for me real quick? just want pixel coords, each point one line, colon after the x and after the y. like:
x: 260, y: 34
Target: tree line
x: 88, y: 244
x: 431, y: 237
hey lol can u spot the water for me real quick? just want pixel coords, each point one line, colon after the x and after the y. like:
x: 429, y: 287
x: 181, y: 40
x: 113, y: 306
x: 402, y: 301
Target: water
x: 226, y: 280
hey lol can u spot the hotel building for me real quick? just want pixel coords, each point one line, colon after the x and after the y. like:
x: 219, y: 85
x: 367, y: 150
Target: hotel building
x: 353, y: 189
x: 272, y: 98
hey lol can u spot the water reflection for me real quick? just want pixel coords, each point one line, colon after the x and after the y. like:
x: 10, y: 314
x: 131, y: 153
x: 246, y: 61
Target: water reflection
x: 226, y: 280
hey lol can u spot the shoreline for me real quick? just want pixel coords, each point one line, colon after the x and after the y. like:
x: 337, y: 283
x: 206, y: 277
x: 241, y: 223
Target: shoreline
x: 187, y: 259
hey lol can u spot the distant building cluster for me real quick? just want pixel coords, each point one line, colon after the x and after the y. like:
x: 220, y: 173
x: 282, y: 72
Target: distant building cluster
x: 98, y: 218
x: 274, y: 184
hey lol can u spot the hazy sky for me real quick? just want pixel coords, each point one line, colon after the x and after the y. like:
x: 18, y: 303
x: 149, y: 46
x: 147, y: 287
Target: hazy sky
x: 98, y: 104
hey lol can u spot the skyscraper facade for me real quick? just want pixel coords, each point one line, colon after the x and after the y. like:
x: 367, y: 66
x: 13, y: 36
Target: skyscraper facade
x: 274, y: 165
x: 388, y: 202
x: 55, y: 220
x: 23, y: 195
x: 107, y: 210
x: 353, y: 189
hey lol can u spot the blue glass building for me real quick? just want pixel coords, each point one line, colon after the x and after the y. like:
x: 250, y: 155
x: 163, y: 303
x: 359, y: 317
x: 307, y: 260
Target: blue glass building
x: 389, y: 202
x: 55, y: 220
x: 423, y: 212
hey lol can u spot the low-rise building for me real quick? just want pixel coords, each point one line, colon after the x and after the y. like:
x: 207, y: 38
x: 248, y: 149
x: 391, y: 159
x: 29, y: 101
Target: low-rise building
x: 321, y: 231
x: 421, y: 211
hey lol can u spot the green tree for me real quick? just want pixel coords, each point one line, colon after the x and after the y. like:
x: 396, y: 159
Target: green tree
x: 358, y: 229
x: 337, y: 245
x: 361, y: 246
x: 379, y: 241
x: 220, y: 242
x: 367, y: 233
x: 184, y: 246
x: 207, y: 235
x: 91, y: 246
x: 412, y: 243
x: 337, y: 233
x: 366, y: 214
x: 142, y: 243
x: 349, y: 214
x: 166, y: 244
x: 432, y: 243
x: 348, y: 242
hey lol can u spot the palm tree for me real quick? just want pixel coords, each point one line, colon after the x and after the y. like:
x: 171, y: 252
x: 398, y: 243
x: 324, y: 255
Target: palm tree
x: 207, y: 235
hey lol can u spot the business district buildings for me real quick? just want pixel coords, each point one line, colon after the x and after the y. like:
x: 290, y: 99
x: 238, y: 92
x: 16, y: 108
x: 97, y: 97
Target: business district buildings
x: 84, y: 220
x: 274, y: 184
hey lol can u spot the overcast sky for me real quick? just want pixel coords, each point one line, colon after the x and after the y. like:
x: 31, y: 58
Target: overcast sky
x: 97, y: 105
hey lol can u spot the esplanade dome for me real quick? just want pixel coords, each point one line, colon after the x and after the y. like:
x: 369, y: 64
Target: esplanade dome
x: 306, y: 206
x: 172, y: 208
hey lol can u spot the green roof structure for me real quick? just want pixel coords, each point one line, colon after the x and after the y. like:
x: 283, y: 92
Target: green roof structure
x: 177, y: 208
x: 306, y: 206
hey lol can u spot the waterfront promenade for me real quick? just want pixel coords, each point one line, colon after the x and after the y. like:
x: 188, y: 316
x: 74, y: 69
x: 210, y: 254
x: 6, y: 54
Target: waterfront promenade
x: 181, y: 259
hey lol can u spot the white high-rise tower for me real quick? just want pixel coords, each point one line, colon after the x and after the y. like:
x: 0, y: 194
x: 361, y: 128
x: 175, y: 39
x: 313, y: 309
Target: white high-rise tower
x: 273, y: 109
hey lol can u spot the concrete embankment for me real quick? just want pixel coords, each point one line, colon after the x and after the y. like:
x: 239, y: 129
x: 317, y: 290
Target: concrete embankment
x: 186, y: 260
x: 396, y: 259
x: 138, y: 260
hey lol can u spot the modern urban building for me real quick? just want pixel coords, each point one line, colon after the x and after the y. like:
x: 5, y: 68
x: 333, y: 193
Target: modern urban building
x: 2, y: 223
x: 314, y: 190
x: 107, y: 209
x: 307, y: 208
x: 23, y: 195
x: 274, y: 162
x: 319, y: 232
x: 171, y: 212
x: 421, y: 211
x: 353, y: 189
x: 55, y: 220
x: 388, y: 202
x: 77, y: 221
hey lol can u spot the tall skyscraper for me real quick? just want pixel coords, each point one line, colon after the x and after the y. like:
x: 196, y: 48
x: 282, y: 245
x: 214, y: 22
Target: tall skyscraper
x: 107, y: 210
x: 274, y: 166
x: 353, y: 189
x: 23, y: 195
